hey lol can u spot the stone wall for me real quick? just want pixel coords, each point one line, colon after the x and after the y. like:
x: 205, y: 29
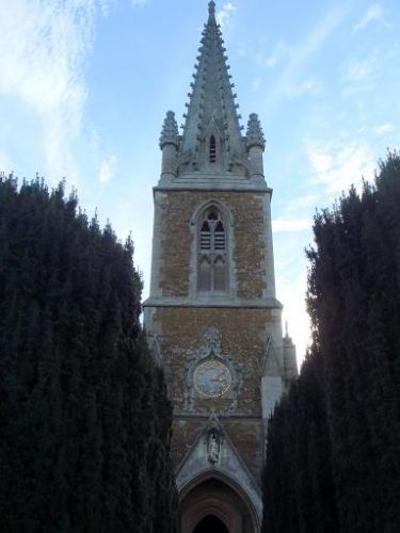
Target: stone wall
x: 247, y: 238
x: 245, y: 434
x: 242, y: 333
x: 243, y: 344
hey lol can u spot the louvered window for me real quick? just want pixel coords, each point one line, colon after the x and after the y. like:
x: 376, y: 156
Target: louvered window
x: 212, y: 257
x: 205, y: 236
x: 219, y: 237
x: 213, y: 149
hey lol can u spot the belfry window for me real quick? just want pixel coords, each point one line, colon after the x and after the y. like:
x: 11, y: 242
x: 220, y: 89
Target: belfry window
x: 212, y: 253
x: 213, y: 149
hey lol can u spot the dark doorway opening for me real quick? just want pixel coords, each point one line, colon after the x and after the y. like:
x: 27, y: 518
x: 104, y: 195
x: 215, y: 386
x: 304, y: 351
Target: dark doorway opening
x: 211, y: 524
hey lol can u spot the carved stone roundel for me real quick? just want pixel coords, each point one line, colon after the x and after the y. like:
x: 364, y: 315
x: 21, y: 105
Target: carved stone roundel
x: 212, y: 378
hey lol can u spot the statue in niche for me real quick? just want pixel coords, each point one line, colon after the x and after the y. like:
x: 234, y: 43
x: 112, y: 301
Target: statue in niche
x: 213, y: 447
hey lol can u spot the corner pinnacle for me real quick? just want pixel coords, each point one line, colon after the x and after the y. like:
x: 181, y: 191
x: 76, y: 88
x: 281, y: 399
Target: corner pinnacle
x: 255, y: 135
x: 169, y: 133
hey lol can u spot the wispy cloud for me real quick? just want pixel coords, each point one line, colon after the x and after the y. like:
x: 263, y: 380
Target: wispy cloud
x: 341, y: 164
x: 271, y: 59
x: 315, y: 40
x: 280, y: 225
x: 256, y: 84
x: 373, y: 14
x: 138, y: 2
x: 292, y: 81
x: 361, y: 70
x: 362, y: 75
x: 384, y: 129
x: 45, y: 44
x: 224, y: 14
x: 307, y: 86
x: 107, y: 169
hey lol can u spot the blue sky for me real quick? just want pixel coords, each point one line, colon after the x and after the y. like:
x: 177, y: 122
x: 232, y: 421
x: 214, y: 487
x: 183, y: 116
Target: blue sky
x: 85, y: 85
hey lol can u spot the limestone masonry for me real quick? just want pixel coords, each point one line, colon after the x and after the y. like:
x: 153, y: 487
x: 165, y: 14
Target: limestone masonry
x: 212, y: 318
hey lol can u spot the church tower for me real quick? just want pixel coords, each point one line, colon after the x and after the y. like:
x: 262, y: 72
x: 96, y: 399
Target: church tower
x: 212, y: 318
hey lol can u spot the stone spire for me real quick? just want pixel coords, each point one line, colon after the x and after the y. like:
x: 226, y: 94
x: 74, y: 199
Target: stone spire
x: 212, y: 109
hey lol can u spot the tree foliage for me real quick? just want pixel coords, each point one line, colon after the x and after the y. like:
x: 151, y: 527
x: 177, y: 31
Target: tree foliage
x: 333, y: 451
x: 84, y: 419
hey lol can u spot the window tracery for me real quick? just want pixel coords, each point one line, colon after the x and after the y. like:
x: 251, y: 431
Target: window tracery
x: 212, y: 253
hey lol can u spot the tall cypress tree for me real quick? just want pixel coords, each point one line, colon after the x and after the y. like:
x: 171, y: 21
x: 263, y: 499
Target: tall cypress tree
x: 345, y: 408
x: 297, y: 480
x: 84, y: 418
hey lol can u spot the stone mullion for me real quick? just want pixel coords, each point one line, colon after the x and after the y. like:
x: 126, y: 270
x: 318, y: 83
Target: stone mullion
x: 212, y: 253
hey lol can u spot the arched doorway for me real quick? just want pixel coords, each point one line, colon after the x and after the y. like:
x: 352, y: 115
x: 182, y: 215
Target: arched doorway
x: 210, y: 524
x: 214, y: 505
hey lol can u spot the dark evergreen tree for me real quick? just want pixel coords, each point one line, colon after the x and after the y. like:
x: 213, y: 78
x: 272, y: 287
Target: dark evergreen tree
x: 84, y: 418
x: 297, y: 478
x: 344, y: 411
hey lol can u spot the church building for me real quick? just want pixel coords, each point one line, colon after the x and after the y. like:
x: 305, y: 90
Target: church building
x: 212, y: 317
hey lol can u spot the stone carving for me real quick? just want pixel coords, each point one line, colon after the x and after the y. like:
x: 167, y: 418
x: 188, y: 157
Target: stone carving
x: 218, y: 364
x: 213, y: 447
x: 214, y: 450
x: 212, y: 341
x: 154, y: 344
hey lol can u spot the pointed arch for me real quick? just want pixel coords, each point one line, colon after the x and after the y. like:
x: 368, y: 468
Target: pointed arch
x: 212, y: 248
x: 211, y: 522
x: 215, y: 504
x: 219, y: 206
x: 212, y: 145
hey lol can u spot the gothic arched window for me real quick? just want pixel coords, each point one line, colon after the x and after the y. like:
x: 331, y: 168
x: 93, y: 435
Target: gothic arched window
x: 212, y: 266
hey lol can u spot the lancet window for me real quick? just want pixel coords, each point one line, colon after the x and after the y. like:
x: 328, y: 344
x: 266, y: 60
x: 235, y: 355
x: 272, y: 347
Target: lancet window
x: 212, y: 252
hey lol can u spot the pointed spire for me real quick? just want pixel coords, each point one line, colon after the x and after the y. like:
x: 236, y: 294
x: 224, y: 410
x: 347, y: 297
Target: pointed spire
x: 255, y: 135
x: 169, y: 133
x: 211, y: 107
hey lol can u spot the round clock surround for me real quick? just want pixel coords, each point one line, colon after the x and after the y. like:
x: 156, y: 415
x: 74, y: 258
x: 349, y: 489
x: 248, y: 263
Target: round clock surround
x: 212, y: 378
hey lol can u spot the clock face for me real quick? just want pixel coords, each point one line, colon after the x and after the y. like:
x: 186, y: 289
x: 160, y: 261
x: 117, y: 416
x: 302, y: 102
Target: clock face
x: 212, y: 378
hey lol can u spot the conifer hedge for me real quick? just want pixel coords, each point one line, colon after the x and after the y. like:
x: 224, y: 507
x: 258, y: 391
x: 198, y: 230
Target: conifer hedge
x: 84, y: 418
x: 333, y: 450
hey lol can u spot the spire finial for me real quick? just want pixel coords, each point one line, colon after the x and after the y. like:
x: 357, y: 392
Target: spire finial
x: 211, y: 8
